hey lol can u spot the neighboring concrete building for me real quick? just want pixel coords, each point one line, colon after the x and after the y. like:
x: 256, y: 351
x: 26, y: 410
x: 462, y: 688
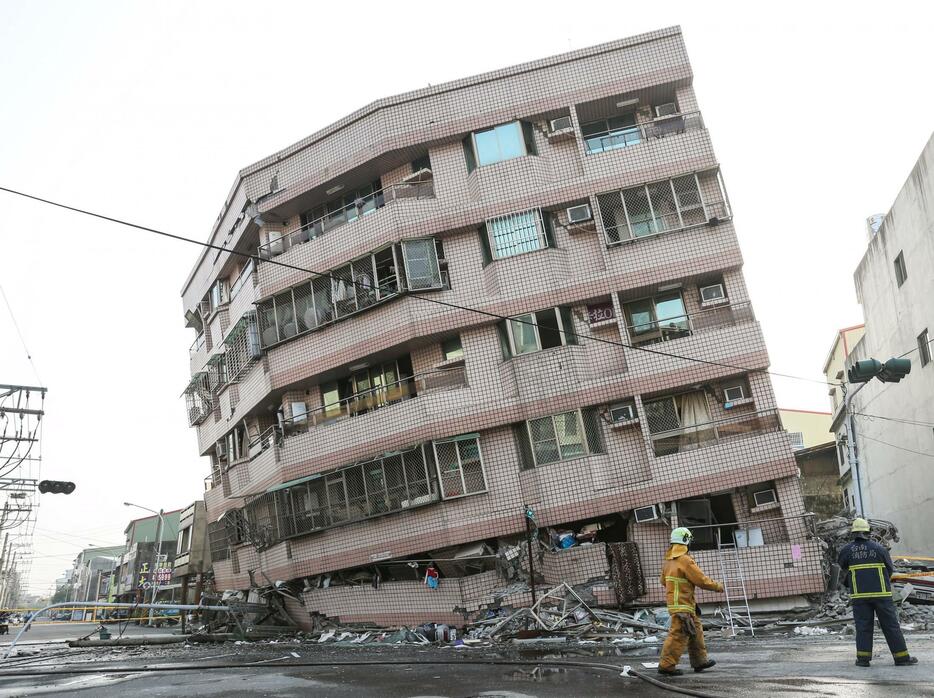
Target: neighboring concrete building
x: 192, y: 553
x: 835, y: 373
x: 806, y: 428
x: 131, y: 581
x: 820, y: 479
x: 366, y: 420
x: 90, y: 573
x: 895, y: 285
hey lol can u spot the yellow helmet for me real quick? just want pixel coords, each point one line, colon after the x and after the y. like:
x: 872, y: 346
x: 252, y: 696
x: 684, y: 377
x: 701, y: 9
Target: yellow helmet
x: 860, y: 526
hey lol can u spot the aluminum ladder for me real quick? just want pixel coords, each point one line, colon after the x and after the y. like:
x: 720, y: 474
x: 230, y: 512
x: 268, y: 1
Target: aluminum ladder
x: 734, y: 586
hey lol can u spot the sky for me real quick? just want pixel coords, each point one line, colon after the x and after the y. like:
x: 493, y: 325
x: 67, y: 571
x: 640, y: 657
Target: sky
x: 146, y: 111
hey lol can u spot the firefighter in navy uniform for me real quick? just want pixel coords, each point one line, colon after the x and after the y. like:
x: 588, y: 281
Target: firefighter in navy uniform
x: 867, y: 567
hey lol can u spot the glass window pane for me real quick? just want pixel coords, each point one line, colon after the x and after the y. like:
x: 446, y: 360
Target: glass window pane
x: 669, y: 310
x: 544, y: 442
x: 511, y: 142
x: 640, y: 213
x: 421, y: 263
x: 487, y: 147
x: 641, y: 316
x: 523, y: 334
x: 570, y: 435
x: 549, y: 334
x: 452, y: 348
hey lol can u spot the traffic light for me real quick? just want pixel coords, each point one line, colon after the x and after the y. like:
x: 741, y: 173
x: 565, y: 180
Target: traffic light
x: 56, y: 487
x: 864, y: 371
x: 894, y: 370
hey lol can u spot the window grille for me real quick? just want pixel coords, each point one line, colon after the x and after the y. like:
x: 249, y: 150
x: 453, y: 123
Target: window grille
x: 516, y: 233
x: 242, y: 346
x: 460, y: 466
x: 198, y: 398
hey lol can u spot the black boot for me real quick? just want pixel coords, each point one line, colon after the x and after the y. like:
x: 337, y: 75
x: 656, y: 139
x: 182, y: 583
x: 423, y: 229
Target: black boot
x: 706, y: 665
x: 670, y: 672
x: 906, y: 661
x: 862, y: 662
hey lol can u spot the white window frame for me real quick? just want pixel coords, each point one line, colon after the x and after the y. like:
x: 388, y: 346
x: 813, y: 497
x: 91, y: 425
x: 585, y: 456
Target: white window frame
x: 538, y: 338
x: 539, y: 225
x: 554, y: 426
x: 460, y: 465
x: 768, y: 489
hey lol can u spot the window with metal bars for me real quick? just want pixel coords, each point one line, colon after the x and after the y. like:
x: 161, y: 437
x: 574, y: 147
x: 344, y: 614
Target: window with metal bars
x: 198, y: 398
x: 517, y: 233
x: 217, y: 538
x: 390, y: 483
x: 654, y: 208
x: 460, y: 466
x: 559, y: 437
x: 412, y: 265
x: 243, y: 347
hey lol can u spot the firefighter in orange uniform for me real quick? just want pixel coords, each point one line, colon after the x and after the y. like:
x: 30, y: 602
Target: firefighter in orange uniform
x: 680, y: 574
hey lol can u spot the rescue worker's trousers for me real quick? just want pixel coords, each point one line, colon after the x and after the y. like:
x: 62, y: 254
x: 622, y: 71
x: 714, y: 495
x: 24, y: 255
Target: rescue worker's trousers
x: 682, y: 635
x: 884, y: 609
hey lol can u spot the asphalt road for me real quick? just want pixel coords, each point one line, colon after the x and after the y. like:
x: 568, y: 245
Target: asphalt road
x: 790, y: 666
x: 64, y: 631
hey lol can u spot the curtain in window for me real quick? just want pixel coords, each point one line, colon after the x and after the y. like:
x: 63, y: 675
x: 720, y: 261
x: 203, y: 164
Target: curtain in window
x: 695, y: 421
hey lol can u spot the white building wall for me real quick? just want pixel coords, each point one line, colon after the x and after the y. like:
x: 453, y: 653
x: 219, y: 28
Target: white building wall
x: 897, y: 458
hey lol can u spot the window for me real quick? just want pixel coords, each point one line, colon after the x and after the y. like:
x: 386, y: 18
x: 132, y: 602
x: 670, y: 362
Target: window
x: 545, y: 329
x: 503, y: 142
x: 611, y: 133
x: 422, y: 163
x: 924, y: 348
x: 242, y: 346
x: 901, y: 272
x: 653, y: 208
x: 560, y: 437
x: 460, y: 466
x: 517, y: 233
x: 657, y: 319
x: 797, y: 439
x: 452, y: 349
x: 421, y: 264
x: 219, y: 294
x: 368, y: 389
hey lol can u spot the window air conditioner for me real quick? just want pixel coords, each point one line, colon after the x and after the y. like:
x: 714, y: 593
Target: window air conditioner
x: 221, y: 449
x: 579, y: 214
x: 666, y: 109
x: 764, y: 497
x: 734, y: 393
x: 712, y: 293
x: 560, y: 124
x: 644, y: 514
x: 622, y: 412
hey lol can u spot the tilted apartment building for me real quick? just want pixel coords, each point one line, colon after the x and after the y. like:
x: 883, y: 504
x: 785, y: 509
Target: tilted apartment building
x: 368, y: 408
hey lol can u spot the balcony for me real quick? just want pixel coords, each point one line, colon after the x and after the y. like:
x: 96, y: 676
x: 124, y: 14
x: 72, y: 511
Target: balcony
x: 197, y: 353
x: 675, y: 327
x: 691, y: 437
x: 364, y: 206
x: 199, y: 400
x: 662, y: 127
x: 377, y: 398
x: 665, y: 206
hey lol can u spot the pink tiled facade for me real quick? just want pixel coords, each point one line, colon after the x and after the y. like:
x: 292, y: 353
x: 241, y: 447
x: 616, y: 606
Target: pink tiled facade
x: 366, y: 407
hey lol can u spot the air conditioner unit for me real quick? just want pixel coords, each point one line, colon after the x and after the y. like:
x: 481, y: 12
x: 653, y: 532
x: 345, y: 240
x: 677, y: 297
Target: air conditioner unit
x: 622, y: 412
x: 666, y: 109
x: 645, y: 514
x: 734, y: 393
x: 221, y: 449
x: 764, y: 497
x: 579, y: 214
x: 562, y: 123
x: 712, y: 293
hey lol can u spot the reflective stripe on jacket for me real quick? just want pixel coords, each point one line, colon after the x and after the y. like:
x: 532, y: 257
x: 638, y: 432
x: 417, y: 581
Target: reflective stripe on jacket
x: 868, y: 567
x: 680, y: 575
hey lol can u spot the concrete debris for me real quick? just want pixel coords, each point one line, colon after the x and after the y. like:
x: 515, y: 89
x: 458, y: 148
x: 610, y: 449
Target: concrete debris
x: 811, y: 630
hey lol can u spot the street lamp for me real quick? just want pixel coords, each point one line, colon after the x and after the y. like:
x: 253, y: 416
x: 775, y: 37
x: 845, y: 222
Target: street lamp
x: 156, y: 551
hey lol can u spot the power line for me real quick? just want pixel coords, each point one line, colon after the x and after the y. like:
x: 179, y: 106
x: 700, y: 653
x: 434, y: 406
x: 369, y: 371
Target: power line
x: 19, y: 332
x: 421, y: 297
x: 895, y: 419
x: 900, y: 448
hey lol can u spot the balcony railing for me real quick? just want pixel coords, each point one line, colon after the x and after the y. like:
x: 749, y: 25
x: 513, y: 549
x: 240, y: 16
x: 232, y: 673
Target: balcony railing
x: 361, y: 207
x: 688, y: 438
x: 377, y: 398
x: 686, y: 325
x: 749, y: 534
x: 665, y: 126
x: 197, y: 345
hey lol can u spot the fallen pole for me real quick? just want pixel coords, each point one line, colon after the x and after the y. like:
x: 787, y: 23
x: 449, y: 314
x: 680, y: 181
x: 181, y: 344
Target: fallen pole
x: 109, y: 604
x: 151, y: 640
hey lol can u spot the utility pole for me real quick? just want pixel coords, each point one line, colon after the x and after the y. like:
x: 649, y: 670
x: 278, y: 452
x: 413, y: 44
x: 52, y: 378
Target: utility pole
x: 892, y: 371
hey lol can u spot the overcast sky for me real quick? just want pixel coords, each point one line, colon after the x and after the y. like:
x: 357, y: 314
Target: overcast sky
x: 146, y: 111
